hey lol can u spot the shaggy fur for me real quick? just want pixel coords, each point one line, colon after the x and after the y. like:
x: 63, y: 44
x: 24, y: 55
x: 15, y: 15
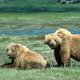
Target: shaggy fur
x: 24, y: 58
x: 65, y: 44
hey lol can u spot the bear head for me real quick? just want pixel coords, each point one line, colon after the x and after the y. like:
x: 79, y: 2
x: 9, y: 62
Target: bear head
x: 55, y: 39
x: 14, y: 49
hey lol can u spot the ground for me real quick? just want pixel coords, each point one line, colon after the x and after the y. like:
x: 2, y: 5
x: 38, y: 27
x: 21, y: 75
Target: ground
x: 28, y: 21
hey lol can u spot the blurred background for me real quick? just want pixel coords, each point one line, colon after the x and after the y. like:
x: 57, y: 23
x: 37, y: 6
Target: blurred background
x: 39, y: 5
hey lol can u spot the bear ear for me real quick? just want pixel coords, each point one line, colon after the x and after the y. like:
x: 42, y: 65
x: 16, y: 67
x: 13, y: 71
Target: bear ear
x: 17, y: 45
x: 45, y: 36
x: 60, y: 35
x: 63, y: 36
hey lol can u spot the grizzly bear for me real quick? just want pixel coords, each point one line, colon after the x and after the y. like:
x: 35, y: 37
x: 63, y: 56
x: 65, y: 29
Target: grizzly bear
x: 65, y: 44
x: 24, y: 58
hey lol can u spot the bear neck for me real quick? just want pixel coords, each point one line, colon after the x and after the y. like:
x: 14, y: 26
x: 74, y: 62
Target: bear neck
x: 57, y: 49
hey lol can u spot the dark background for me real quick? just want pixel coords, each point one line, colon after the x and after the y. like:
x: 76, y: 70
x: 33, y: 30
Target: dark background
x: 39, y: 5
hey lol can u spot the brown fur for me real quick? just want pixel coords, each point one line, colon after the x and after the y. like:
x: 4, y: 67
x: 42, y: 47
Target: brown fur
x: 65, y: 44
x: 23, y: 57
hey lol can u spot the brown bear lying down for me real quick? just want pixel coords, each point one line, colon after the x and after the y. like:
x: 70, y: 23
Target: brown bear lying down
x: 24, y: 58
x: 65, y: 45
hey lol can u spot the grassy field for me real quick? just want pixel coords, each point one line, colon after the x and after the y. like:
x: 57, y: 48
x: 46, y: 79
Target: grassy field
x: 25, y: 21
x: 29, y: 21
x: 36, y: 43
x: 49, y: 74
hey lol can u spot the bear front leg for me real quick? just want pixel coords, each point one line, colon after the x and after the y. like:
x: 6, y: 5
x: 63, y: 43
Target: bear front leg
x: 65, y: 58
x: 58, y: 59
x: 65, y: 55
x: 7, y: 65
x: 58, y: 56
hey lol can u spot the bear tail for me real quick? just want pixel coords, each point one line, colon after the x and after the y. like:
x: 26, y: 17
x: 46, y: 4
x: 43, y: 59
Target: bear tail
x: 48, y: 65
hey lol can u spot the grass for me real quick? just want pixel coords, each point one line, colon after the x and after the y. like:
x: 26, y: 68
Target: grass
x: 25, y: 21
x: 35, y: 43
x: 29, y: 21
x: 46, y: 15
x: 49, y: 74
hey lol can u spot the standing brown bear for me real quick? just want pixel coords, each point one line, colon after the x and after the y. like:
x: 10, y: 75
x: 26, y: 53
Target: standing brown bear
x: 65, y: 45
x: 24, y: 58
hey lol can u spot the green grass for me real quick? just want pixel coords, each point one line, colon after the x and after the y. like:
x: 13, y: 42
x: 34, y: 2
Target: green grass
x: 24, y: 21
x: 49, y: 74
x: 35, y: 43
x: 43, y: 15
x: 27, y: 21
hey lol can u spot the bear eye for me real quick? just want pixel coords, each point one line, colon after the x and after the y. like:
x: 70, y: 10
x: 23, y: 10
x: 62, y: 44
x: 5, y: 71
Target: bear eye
x: 49, y: 40
x: 55, y: 40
